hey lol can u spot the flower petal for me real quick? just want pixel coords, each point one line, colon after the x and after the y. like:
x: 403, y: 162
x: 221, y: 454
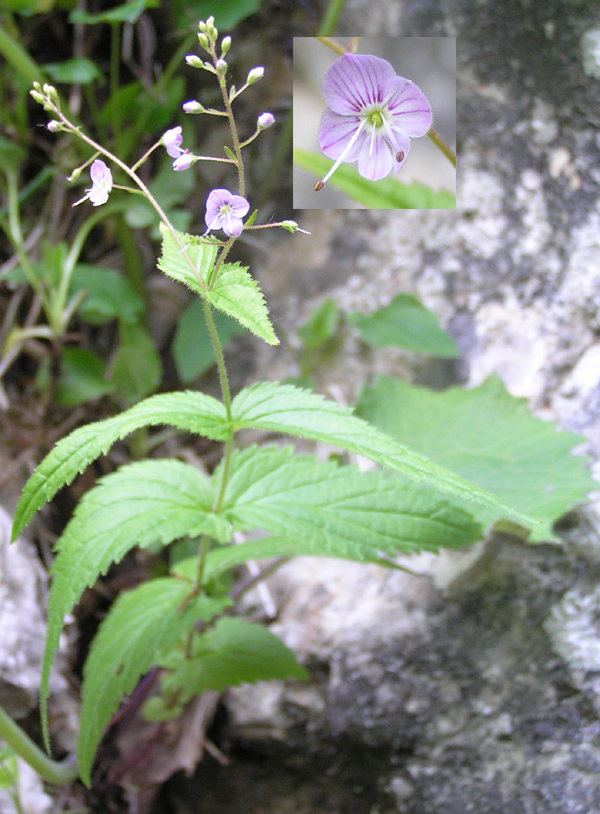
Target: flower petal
x: 232, y: 226
x: 336, y: 132
x: 239, y: 206
x: 100, y: 174
x: 409, y: 108
x: 355, y: 81
x: 380, y: 163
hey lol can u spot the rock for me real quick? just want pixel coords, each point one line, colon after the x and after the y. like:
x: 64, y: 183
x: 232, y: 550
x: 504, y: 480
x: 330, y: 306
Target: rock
x: 483, y: 696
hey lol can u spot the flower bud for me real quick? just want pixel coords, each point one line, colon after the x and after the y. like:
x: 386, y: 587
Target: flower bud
x: 202, y: 25
x: 194, y: 61
x: 37, y: 96
x: 75, y: 174
x: 184, y: 162
x: 254, y: 75
x: 265, y: 120
x: 193, y: 107
x: 221, y: 67
x: 292, y: 227
x: 203, y: 40
x: 225, y: 46
x: 55, y: 127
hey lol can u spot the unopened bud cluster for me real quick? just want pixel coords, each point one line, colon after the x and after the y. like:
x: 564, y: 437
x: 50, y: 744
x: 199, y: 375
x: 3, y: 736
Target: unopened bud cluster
x: 47, y: 96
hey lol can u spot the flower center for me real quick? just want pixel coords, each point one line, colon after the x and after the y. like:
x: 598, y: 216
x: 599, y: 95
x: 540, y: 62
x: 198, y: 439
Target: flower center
x: 225, y: 209
x: 375, y: 119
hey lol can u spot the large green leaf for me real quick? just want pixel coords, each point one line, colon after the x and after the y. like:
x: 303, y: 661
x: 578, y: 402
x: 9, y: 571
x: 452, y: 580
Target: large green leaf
x: 80, y: 70
x: 138, y: 505
x: 288, y: 410
x: 141, y: 625
x: 336, y: 511
x: 193, y: 412
x: 385, y: 194
x: 490, y: 438
x: 234, y: 652
x: 407, y: 323
x: 234, y: 291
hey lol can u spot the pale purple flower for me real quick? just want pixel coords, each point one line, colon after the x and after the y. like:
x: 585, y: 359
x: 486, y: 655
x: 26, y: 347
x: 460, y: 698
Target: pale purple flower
x: 172, y: 141
x: 265, y: 120
x: 225, y: 211
x: 371, y: 116
x: 184, y: 161
x: 101, y: 184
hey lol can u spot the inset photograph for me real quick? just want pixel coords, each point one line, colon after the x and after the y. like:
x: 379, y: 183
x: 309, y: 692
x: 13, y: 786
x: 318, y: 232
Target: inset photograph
x: 374, y: 123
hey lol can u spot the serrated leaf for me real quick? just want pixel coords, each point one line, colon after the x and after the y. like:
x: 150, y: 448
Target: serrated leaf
x: 385, y: 194
x: 492, y: 439
x: 193, y: 412
x: 288, y: 410
x: 139, y: 504
x: 234, y: 291
x: 174, y: 264
x: 337, y: 511
x: 141, y: 625
x: 234, y: 652
x: 407, y: 323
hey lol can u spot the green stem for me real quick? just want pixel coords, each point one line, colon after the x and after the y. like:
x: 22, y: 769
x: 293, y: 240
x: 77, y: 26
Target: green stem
x: 335, y: 46
x: 331, y: 18
x: 441, y: 144
x: 51, y: 770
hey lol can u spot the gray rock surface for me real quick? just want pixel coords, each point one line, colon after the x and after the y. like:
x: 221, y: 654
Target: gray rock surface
x: 484, y: 696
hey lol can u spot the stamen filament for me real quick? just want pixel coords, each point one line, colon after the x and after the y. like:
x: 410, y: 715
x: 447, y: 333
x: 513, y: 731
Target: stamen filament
x: 319, y: 184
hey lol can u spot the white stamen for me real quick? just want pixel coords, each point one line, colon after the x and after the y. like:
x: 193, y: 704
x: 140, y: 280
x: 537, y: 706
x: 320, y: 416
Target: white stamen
x: 345, y: 153
x: 372, y: 140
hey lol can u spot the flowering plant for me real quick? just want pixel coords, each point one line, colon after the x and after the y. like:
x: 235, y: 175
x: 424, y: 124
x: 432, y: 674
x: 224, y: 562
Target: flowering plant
x: 178, y: 622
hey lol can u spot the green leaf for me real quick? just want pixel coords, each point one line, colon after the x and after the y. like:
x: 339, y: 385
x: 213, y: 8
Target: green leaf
x: 322, y: 324
x: 139, y: 504
x: 407, y: 323
x: 234, y: 652
x: 173, y: 263
x: 192, y: 412
x: 385, y: 194
x: 193, y: 351
x: 127, y: 13
x: 491, y: 438
x: 82, y: 378
x: 227, y: 13
x: 337, y: 511
x: 141, y: 625
x: 137, y: 371
x: 78, y: 70
x: 109, y: 295
x: 234, y: 291
x: 285, y: 409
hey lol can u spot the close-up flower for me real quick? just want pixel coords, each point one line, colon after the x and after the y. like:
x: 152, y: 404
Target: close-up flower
x: 225, y: 211
x: 371, y: 116
x: 172, y: 141
x: 101, y: 184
